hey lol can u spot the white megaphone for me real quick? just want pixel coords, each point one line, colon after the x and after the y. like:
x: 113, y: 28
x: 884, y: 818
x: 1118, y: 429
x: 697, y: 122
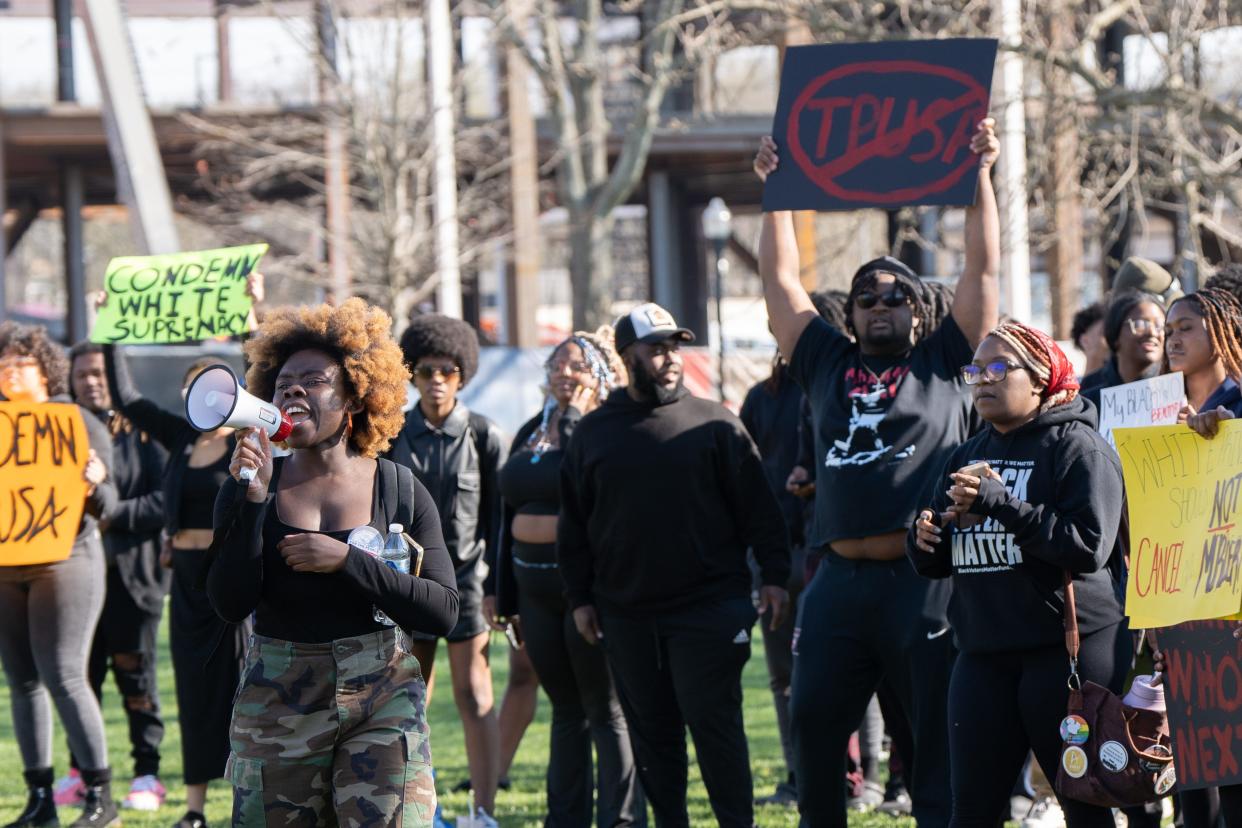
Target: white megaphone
x: 216, y: 399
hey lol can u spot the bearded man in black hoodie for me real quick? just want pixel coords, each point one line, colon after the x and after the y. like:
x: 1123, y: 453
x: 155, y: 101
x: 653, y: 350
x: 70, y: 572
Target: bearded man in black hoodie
x: 661, y: 495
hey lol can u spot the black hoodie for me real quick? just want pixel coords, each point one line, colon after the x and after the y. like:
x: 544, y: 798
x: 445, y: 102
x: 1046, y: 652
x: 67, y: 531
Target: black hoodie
x: 658, y: 506
x: 1058, y: 508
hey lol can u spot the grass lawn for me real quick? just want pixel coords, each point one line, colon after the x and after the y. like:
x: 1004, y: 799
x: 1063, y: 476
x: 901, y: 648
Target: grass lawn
x: 522, y: 806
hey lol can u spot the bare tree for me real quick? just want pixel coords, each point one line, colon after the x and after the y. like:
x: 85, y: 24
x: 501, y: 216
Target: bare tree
x: 373, y: 90
x: 1105, y: 152
x: 571, y: 47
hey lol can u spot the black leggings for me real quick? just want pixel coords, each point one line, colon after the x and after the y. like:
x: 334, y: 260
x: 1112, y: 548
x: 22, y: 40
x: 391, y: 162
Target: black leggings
x: 1003, y: 704
x: 585, y: 709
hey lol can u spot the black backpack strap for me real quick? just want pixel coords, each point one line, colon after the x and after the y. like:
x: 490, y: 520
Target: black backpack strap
x: 397, y: 493
x: 479, y: 426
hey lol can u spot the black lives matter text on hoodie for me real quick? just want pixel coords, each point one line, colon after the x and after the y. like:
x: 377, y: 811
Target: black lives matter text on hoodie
x: 659, y: 504
x: 1056, y: 507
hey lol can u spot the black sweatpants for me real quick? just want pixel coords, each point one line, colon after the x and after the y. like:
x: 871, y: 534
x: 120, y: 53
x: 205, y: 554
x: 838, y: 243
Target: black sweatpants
x: 585, y: 708
x: 1003, y: 704
x: 684, y: 669
x: 127, y: 630
x: 861, y: 622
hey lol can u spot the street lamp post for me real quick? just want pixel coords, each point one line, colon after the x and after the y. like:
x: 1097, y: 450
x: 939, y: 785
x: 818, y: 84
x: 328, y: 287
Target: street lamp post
x: 716, y: 229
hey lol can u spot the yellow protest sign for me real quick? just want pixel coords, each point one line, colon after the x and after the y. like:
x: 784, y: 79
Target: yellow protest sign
x: 1185, y: 538
x: 43, y: 452
x: 177, y: 297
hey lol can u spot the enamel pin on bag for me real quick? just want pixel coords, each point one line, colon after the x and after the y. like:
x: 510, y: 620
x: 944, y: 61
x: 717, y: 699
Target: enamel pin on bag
x: 1116, y: 753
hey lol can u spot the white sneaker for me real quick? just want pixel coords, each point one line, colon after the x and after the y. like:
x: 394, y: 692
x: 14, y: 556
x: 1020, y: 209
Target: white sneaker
x: 481, y: 819
x: 1045, y: 813
x: 146, y: 793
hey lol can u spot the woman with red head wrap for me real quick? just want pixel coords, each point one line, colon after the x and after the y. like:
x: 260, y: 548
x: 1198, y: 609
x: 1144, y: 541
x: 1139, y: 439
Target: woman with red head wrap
x: 1034, y: 495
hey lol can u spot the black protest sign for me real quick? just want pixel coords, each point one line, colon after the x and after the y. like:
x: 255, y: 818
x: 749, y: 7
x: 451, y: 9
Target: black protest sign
x: 1203, y: 693
x: 879, y: 124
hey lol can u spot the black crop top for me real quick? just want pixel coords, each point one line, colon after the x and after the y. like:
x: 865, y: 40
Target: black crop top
x: 531, y: 483
x: 199, y: 487
x: 250, y: 575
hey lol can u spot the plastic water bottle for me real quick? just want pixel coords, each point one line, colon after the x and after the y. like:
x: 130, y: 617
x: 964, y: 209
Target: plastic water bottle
x: 396, y: 554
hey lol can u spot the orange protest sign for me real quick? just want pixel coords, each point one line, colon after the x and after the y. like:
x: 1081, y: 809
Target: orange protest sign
x: 43, y: 452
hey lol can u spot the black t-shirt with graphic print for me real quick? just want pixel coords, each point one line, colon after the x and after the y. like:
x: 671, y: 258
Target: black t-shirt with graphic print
x: 883, y: 426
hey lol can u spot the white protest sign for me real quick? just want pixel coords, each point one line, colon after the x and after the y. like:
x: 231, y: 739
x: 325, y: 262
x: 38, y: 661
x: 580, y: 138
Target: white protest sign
x: 1145, y: 402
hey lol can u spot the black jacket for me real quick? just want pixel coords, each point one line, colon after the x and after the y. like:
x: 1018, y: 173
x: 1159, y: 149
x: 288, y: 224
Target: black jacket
x: 132, y: 539
x: 1058, y: 508
x: 659, y: 504
x: 172, y: 431
x: 104, y: 497
x: 457, y: 463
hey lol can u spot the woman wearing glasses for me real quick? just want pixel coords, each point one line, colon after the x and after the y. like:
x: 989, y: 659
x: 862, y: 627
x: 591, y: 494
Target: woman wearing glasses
x: 1134, y: 331
x: 582, y: 371
x: 1034, y: 495
x: 456, y: 454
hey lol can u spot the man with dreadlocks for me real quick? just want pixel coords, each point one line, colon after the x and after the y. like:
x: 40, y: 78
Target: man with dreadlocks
x: 888, y: 409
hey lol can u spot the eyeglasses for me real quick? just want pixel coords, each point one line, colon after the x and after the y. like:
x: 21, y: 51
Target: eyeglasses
x: 992, y: 372
x: 429, y: 371
x: 895, y: 298
x: 1138, y: 327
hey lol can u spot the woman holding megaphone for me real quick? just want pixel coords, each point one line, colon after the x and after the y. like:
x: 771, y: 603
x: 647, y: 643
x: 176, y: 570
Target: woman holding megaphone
x: 329, y: 724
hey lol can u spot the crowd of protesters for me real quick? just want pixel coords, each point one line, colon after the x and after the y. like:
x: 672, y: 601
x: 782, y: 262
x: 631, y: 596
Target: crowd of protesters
x: 627, y: 540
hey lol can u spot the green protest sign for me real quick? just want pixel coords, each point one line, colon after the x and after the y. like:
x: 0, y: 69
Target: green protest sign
x: 177, y: 297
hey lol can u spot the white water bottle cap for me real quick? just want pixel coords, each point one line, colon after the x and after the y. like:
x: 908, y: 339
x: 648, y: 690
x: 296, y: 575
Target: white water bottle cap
x: 396, y: 528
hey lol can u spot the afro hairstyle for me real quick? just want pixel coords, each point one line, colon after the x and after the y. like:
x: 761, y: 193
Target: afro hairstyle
x: 356, y: 335
x: 434, y: 334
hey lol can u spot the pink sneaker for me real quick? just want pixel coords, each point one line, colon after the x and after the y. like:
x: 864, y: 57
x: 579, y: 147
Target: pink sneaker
x: 69, y: 790
x: 146, y: 793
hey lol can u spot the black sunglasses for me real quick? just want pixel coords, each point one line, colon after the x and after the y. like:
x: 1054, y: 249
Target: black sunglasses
x: 895, y: 298
x: 992, y: 372
x: 428, y: 371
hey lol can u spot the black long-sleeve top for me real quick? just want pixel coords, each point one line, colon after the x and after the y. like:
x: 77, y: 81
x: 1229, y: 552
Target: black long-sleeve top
x: 659, y: 504
x: 249, y: 574
x: 134, y: 523
x: 172, y: 431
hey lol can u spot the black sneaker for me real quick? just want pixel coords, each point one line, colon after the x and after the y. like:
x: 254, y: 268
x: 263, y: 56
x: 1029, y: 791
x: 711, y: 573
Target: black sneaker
x: 192, y: 819
x: 896, y: 802
x: 785, y: 794
x: 466, y: 785
x: 40, y: 810
x: 99, y: 811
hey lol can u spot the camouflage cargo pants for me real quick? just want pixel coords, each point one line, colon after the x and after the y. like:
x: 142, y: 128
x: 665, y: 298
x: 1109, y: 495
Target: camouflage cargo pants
x: 331, y: 735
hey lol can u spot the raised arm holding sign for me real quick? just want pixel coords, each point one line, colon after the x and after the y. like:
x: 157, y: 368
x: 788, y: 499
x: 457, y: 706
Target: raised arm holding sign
x: 886, y: 124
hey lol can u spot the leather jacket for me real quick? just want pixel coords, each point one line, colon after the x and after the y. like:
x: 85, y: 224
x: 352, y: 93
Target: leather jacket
x: 458, y: 464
